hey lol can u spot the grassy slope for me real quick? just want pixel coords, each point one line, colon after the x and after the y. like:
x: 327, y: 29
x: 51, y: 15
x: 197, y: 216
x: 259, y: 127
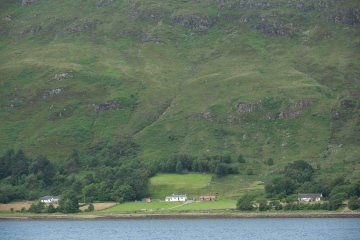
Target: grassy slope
x: 168, y: 207
x: 176, y: 87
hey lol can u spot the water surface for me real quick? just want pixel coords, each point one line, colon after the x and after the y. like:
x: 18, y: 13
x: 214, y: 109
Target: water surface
x: 257, y: 228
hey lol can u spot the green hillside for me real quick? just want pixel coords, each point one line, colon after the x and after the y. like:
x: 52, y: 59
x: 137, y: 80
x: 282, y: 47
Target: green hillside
x: 147, y: 81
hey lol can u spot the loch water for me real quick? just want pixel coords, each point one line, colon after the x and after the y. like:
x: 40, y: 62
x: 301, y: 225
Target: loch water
x: 175, y: 229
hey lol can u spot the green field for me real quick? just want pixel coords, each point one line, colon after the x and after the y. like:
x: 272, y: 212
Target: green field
x: 220, y: 204
x: 168, y: 207
x: 137, y: 207
x: 193, y: 185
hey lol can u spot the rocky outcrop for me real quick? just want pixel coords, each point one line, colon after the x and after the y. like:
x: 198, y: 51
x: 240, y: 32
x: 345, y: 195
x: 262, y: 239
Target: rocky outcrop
x: 7, y: 18
x: 273, y: 28
x: 333, y: 12
x: 257, y: 5
x: 53, y: 92
x: 195, y: 22
x: 304, y: 103
x: 303, y: 7
x: 60, y: 76
x: 27, y: 2
x: 82, y: 25
x: 31, y: 30
x: 109, y: 105
x: 293, y: 111
x: 349, y: 16
x: 247, y: 107
x: 296, y: 109
x: 208, y: 115
x: 103, y: 3
x: 287, y: 24
x: 74, y: 29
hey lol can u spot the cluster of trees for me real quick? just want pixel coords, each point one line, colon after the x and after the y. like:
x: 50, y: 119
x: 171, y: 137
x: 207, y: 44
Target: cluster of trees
x: 22, y: 177
x: 298, y: 177
x: 26, y: 178
x: 219, y: 165
x: 124, y: 183
x: 295, y: 175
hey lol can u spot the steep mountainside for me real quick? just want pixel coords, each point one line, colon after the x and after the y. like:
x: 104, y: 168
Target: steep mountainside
x: 275, y: 78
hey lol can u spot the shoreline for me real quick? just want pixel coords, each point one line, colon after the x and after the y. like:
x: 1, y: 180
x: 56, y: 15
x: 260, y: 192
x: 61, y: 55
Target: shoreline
x: 188, y: 216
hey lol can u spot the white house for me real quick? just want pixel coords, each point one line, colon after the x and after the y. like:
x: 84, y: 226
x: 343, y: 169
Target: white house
x: 308, y: 197
x: 50, y: 199
x: 176, y: 198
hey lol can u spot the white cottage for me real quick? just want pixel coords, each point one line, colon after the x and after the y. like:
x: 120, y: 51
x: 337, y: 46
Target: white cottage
x: 176, y: 198
x: 50, y: 199
x: 308, y: 197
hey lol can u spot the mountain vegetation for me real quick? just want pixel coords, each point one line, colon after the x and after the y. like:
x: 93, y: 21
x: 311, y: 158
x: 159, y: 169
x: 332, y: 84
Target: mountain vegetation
x: 97, y: 96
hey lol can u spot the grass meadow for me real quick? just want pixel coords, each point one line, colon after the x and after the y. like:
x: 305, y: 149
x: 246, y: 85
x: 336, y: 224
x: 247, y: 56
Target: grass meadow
x: 177, y: 89
x: 168, y: 207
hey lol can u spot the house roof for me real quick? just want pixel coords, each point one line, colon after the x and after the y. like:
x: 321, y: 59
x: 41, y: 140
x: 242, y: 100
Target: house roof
x: 310, y: 195
x: 50, y: 197
x: 176, y: 196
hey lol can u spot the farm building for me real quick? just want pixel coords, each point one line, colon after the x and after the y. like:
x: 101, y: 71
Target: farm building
x: 176, y: 198
x: 207, y: 198
x: 50, y: 199
x: 308, y: 197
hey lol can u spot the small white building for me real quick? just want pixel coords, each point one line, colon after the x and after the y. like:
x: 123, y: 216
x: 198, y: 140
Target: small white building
x: 176, y: 198
x: 309, y: 197
x: 50, y: 199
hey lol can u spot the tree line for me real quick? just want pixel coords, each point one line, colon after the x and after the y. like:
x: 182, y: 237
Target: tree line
x: 220, y: 165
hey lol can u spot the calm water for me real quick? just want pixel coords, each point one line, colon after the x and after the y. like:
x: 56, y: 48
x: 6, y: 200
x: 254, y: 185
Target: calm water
x: 293, y: 228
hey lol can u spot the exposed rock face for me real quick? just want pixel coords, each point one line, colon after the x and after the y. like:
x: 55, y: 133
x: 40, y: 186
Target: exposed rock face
x: 27, y: 2
x: 296, y: 109
x: 302, y: 7
x: 304, y: 103
x: 272, y: 28
x: 82, y: 26
x: 103, y: 3
x: 331, y: 10
x: 349, y: 16
x: 53, y: 92
x: 61, y: 76
x: 246, y: 107
x: 256, y: 5
x: 195, y: 22
x: 208, y: 115
x: 109, y: 105
x: 31, y: 30
x: 293, y: 111
x: 7, y: 18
